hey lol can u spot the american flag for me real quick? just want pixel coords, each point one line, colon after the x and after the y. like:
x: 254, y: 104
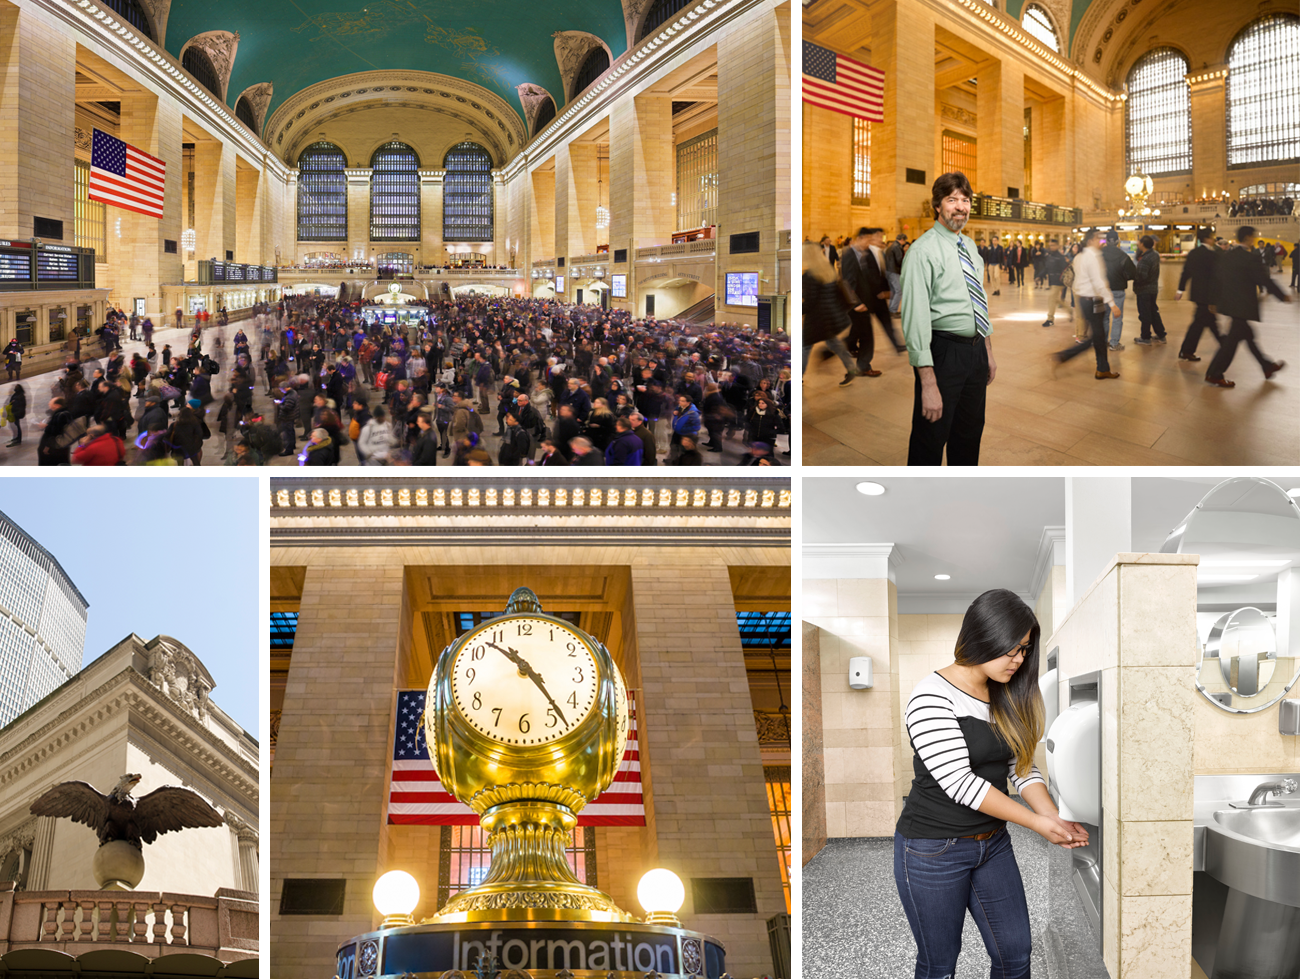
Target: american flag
x: 124, y: 176
x: 832, y: 81
x: 416, y: 796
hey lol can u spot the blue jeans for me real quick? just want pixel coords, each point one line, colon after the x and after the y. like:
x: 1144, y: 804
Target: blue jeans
x: 1116, y: 323
x: 938, y: 880
x: 895, y: 290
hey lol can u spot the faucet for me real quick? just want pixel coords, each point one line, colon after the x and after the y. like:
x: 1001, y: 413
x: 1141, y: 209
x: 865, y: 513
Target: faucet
x: 1262, y: 791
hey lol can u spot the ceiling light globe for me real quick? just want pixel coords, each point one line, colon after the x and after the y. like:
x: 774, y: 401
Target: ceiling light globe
x: 396, y: 893
x: 661, y: 892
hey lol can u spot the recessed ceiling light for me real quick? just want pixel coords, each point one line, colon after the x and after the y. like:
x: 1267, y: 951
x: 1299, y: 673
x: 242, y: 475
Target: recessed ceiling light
x: 870, y: 489
x: 942, y: 577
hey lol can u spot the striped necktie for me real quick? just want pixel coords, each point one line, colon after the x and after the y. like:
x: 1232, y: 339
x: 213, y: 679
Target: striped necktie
x: 976, y: 290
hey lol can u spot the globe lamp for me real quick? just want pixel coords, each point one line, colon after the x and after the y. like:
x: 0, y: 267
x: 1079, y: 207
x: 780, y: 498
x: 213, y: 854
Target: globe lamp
x: 395, y: 895
x: 661, y: 893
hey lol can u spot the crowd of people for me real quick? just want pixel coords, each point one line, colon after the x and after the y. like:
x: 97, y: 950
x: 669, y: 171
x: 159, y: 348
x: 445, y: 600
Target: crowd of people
x: 548, y: 383
x: 1257, y: 207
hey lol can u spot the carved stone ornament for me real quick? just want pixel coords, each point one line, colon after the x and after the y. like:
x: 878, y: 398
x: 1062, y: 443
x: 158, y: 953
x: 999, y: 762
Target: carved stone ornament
x: 220, y: 47
x: 244, y: 830
x: 82, y: 137
x: 259, y: 98
x: 178, y: 675
x: 23, y: 838
x: 571, y: 50
x: 157, y: 11
x: 632, y: 14
x: 532, y: 97
x: 957, y: 114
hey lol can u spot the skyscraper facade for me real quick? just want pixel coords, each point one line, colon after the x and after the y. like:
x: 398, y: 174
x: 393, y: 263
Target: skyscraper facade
x: 42, y: 622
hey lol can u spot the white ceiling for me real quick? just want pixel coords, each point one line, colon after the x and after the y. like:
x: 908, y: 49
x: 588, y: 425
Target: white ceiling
x: 983, y: 531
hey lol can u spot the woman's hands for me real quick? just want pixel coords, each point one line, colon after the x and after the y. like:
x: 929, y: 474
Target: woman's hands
x: 1056, y: 830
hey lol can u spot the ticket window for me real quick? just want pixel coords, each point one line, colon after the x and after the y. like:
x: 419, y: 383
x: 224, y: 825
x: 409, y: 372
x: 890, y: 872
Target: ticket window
x: 58, y: 324
x: 84, y: 316
x: 25, y: 326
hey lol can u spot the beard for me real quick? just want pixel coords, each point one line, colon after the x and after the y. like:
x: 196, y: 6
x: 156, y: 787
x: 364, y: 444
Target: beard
x: 956, y: 222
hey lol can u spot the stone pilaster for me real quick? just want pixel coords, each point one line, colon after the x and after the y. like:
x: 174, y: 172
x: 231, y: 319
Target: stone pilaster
x: 1000, y: 111
x: 214, y: 199
x: 541, y: 213
x: 358, y: 217
x: 431, y: 243
x: 331, y: 761
x: 693, y: 678
x: 250, y: 206
x: 578, y: 197
x: 1209, y: 137
x: 827, y: 172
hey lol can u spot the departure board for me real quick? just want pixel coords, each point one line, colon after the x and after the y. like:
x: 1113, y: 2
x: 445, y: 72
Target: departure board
x: 15, y: 265
x: 56, y: 266
x: 234, y: 273
x: 218, y: 271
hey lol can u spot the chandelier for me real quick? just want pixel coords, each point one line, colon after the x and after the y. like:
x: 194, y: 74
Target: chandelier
x: 602, y: 212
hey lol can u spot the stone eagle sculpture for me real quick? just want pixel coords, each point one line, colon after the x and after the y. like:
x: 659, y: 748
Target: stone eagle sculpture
x: 118, y: 816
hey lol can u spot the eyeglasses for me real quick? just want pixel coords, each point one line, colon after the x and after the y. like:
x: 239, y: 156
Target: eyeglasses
x: 1019, y: 652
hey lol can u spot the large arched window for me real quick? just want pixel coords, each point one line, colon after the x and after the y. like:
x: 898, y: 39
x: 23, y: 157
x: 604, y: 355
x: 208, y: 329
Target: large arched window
x: 1263, y: 92
x: 544, y: 115
x: 133, y: 14
x: 1157, y: 115
x: 244, y: 113
x: 595, y: 65
x: 197, y: 63
x: 322, y: 194
x: 394, y: 193
x: 1037, y: 24
x: 660, y: 11
x: 467, y: 194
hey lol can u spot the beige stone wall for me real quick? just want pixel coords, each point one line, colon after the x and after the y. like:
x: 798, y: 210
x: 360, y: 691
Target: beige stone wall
x: 860, y: 728
x: 812, y: 761
x: 1136, y: 624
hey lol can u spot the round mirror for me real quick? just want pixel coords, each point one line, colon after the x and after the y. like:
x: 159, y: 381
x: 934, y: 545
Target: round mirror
x: 1246, y: 532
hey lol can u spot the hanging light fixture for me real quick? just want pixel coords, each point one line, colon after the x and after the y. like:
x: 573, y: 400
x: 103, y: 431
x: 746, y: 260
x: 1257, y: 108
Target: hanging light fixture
x: 602, y: 212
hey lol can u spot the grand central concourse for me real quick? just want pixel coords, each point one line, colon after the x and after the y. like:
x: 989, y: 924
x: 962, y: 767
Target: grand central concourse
x: 617, y: 158
x: 1137, y: 117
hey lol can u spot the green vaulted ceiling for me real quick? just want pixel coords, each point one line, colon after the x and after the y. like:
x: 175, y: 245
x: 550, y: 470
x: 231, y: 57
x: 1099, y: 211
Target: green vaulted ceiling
x: 495, y: 43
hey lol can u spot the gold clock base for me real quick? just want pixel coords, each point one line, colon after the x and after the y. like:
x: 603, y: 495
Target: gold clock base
x: 530, y: 879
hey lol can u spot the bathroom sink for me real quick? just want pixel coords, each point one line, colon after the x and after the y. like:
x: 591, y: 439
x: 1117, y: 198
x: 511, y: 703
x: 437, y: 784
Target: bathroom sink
x: 1273, y: 826
x: 1257, y: 851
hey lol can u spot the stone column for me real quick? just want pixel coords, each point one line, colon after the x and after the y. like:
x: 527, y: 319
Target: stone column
x: 541, y: 211
x: 753, y: 149
x: 250, y: 202
x: 138, y: 260
x: 641, y: 165
x: 1209, y: 134
x: 331, y: 761
x: 1000, y: 122
x: 693, y: 678
x: 246, y: 838
x: 576, y: 195
x: 38, y: 104
x: 1053, y: 183
x: 431, y: 243
x: 563, y: 209
x: 902, y: 46
x: 827, y: 172
x: 214, y: 199
x: 358, y: 217
x: 42, y: 853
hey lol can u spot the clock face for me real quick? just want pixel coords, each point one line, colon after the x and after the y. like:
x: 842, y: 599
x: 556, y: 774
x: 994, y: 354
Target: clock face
x: 524, y: 681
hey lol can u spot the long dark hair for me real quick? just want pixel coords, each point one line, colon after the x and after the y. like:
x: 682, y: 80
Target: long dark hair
x: 993, y: 625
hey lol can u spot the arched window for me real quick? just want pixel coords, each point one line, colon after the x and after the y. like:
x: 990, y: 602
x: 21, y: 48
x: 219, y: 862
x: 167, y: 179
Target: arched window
x: 394, y: 193
x: 467, y: 194
x: 198, y: 64
x: 1038, y: 25
x: 595, y: 65
x: 133, y: 14
x: 660, y: 11
x: 1263, y: 91
x: 1157, y: 115
x: 322, y: 194
x: 244, y: 113
x: 544, y: 115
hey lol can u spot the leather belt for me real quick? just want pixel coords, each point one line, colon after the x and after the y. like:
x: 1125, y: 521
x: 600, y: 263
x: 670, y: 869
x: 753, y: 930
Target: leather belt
x: 956, y: 338
x: 981, y: 836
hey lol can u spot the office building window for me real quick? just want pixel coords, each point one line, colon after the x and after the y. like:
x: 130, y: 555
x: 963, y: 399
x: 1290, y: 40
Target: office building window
x: 464, y: 858
x: 777, y: 778
x: 861, y: 161
x: 1038, y: 25
x: 89, y: 217
x: 197, y: 63
x: 322, y: 194
x: 958, y: 153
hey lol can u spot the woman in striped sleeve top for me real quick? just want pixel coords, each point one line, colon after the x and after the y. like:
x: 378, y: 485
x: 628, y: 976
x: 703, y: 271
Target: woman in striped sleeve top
x: 972, y: 725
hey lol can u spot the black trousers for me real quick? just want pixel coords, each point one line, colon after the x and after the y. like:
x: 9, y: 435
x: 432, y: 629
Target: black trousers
x: 961, y: 369
x: 1239, y: 331
x: 1203, y: 320
x: 861, y: 341
x: 1094, y: 313
x: 1149, y: 316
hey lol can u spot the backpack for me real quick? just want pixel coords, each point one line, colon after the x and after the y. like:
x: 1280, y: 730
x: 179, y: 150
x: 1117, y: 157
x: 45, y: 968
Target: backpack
x: 475, y: 422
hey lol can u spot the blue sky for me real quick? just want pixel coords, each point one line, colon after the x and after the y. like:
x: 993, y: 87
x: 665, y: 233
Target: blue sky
x: 159, y: 555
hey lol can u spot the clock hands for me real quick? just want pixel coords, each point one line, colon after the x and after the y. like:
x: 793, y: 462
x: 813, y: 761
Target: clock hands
x: 527, y: 670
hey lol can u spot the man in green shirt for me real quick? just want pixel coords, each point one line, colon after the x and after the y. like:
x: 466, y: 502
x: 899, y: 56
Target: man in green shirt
x: 947, y: 329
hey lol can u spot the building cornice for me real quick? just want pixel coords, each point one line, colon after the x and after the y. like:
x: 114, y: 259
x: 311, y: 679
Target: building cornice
x: 1051, y: 552
x: 101, y: 26
x: 129, y: 691
x: 824, y: 561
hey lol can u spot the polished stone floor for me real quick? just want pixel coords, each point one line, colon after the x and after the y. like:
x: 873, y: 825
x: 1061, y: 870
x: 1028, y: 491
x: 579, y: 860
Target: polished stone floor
x: 1159, y: 412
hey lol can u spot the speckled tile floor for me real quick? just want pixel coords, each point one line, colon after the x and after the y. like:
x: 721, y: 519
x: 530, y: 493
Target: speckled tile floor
x: 853, y: 922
